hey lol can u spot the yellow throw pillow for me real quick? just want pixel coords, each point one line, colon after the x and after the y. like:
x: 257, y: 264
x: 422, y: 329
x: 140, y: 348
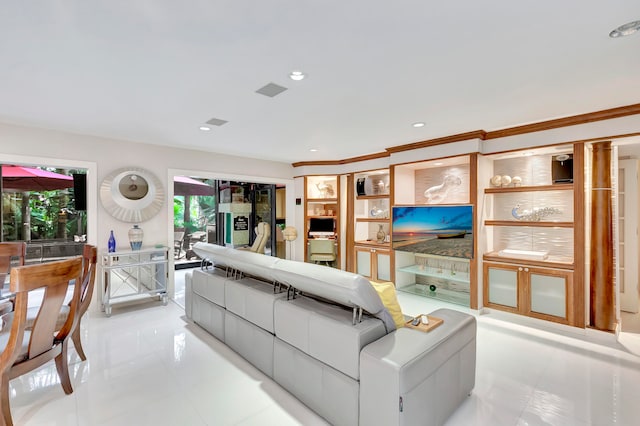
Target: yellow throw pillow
x: 387, y: 293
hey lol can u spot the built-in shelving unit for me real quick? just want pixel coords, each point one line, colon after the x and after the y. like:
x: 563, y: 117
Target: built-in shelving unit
x: 530, y: 218
x: 371, y: 225
x: 440, y: 182
x: 322, y: 213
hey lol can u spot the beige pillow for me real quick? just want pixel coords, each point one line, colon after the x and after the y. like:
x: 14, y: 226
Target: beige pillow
x: 387, y: 293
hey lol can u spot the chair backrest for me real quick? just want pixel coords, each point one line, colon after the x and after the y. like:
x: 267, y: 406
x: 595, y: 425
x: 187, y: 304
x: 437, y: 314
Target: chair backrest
x: 89, y: 266
x: 11, y: 254
x: 54, y: 277
x: 324, y: 247
x: 178, y: 237
x: 263, y: 232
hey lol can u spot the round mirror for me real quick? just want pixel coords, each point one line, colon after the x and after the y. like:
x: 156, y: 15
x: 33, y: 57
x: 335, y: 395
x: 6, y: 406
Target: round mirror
x: 132, y: 194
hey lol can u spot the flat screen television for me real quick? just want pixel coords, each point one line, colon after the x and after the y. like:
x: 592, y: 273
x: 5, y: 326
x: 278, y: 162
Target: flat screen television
x: 444, y: 230
x: 322, y: 226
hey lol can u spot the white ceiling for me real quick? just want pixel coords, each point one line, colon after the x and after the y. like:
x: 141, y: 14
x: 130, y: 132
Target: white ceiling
x: 153, y: 71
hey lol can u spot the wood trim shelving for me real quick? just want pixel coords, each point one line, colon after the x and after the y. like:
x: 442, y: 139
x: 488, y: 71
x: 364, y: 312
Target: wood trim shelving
x: 555, y: 187
x: 528, y: 223
x: 550, y: 262
x: 372, y: 244
x: 322, y: 200
x: 372, y: 197
x: 372, y: 219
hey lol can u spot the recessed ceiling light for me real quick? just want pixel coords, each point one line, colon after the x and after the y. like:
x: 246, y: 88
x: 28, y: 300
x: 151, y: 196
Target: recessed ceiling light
x: 313, y: 150
x: 297, y: 75
x: 205, y: 128
x: 438, y: 163
x: 418, y: 124
x: 625, y: 30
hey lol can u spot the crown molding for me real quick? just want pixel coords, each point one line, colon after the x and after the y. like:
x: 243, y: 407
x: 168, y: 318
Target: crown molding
x: 573, y: 120
x: 373, y: 156
x: 476, y: 134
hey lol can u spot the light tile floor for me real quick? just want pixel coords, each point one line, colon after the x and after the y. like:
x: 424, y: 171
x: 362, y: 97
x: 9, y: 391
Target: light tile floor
x: 149, y: 366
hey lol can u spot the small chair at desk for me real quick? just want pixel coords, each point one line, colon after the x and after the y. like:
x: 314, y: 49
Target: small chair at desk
x: 322, y: 250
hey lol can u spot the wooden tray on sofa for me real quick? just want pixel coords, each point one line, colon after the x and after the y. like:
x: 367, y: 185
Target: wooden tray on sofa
x: 434, y: 322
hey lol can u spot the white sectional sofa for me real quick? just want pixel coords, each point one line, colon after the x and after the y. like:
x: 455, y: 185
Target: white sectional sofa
x: 326, y: 337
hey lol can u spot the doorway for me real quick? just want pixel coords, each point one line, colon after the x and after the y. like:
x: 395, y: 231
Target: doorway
x: 241, y: 206
x: 628, y: 224
x: 223, y: 212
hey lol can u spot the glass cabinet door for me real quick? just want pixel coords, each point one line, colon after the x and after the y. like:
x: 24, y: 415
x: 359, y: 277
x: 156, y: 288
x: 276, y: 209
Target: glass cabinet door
x: 548, y: 295
x: 383, y: 263
x: 503, y: 286
x: 363, y: 262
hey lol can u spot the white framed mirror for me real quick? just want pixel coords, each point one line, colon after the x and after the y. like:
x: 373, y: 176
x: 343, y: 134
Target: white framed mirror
x: 132, y: 194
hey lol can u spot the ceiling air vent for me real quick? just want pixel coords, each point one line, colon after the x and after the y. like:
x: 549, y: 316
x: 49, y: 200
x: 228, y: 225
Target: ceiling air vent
x: 271, y: 90
x: 216, y: 122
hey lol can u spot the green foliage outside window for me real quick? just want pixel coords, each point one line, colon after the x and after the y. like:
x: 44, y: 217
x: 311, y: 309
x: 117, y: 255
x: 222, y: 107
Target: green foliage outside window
x: 202, y: 212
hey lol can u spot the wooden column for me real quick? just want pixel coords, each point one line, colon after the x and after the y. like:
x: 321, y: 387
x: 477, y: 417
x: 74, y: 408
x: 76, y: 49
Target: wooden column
x: 602, y: 308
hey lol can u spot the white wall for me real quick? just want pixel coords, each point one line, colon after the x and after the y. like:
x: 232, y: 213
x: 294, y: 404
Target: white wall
x: 100, y: 156
x: 31, y: 145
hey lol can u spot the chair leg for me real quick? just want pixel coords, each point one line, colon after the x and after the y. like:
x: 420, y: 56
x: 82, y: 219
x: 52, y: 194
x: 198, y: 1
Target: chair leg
x: 5, y: 408
x: 77, y: 343
x: 62, y: 365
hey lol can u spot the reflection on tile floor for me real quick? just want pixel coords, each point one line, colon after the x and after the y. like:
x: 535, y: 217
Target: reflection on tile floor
x: 147, y: 365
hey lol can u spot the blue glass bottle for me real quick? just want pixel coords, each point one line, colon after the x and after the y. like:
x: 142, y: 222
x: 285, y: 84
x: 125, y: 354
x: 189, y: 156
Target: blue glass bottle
x: 112, y: 243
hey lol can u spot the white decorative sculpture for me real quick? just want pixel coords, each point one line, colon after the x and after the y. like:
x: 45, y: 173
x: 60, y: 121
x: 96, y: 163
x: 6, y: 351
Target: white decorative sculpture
x: 534, y: 215
x: 516, y: 181
x: 326, y: 189
x: 496, y: 180
x: 505, y: 180
x: 437, y: 194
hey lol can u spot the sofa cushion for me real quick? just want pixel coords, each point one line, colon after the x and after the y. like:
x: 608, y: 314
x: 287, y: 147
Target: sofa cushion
x: 326, y: 332
x: 252, y: 300
x: 251, y: 342
x: 217, y: 254
x: 209, y: 285
x: 256, y: 264
x: 208, y: 315
x: 387, y: 293
x: 338, y: 286
x: 326, y: 391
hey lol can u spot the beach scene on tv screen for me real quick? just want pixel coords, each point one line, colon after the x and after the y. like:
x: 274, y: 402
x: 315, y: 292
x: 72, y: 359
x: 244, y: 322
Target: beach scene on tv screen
x: 438, y: 230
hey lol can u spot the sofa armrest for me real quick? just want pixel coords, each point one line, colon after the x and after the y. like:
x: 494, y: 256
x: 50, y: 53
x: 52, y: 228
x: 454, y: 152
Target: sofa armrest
x: 410, y: 377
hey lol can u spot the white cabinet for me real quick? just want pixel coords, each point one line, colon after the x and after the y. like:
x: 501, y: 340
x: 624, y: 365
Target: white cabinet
x: 543, y: 293
x: 134, y: 274
x: 373, y: 262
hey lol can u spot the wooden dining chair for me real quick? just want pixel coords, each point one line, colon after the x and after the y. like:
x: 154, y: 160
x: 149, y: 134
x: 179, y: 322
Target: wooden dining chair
x: 11, y: 254
x: 82, y: 300
x: 89, y: 265
x: 25, y: 350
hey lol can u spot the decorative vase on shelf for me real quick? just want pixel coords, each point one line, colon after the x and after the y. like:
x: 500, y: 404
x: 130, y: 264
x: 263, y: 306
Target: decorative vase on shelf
x: 135, y: 237
x: 380, y: 236
x: 111, y: 244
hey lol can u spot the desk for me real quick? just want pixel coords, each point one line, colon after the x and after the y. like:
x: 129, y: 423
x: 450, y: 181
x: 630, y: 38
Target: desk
x: 134, y: 275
